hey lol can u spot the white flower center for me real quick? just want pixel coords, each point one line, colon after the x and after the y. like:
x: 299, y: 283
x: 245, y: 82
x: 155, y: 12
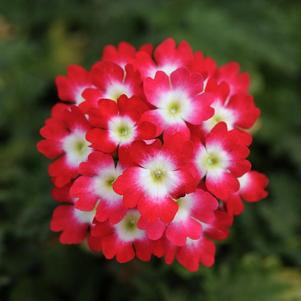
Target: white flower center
x: 221, y: 113
x: 122, y: 130
x: 76, y: 147
x: 115, y: 90
x: 185, y: 205
x: 191, y: 242
x: 212, y: 161
x: 78, y: 94
x: 158, y: 176
x: 244, y: 180
x: 85, y: 217
x: 174, y: 106
x: 167, y: 69
x: 127, y: 229
x: 103, y: 183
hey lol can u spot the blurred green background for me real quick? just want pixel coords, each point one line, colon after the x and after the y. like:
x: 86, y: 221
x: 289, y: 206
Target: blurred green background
x: 38, y: 38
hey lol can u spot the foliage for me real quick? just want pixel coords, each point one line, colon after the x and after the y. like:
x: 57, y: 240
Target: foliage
x: 39, y: 38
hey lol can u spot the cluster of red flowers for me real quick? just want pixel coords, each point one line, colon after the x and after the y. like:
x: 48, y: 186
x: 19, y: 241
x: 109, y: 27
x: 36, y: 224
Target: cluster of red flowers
x: 149, y: 152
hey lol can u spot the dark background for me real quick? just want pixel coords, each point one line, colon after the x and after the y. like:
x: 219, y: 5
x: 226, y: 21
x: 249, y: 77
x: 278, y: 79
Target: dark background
x: 261, y: 260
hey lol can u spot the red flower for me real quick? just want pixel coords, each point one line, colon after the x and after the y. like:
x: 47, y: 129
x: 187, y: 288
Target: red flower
x: 71, y: 87
x: 205, y: 66
x: 178, y: 100
x: 158, y: 176
x: 123, y: 240
x: 73, y: 223
x: 219, y: 227
x: 118, y: 124
x: 93, y: 189
x: 149, y: 153
x: 65, y: 141
x: 110, y: 81
x: 167, y: 58
x: 113, y: 81
x: 124, y: 54
x: 237, y: 82
x: 237, y: 111
x: 222, y: 159
x: 252, y: 189
x: 191, y: 255
x: 195, y: 209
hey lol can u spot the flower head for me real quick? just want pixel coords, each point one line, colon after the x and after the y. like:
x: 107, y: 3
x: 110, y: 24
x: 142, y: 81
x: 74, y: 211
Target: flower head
x: 149, y: 153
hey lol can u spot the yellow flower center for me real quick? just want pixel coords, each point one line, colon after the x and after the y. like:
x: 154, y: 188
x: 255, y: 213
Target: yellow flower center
x: 174, y: 108
x: 110, y: 181
x: 158, y: 175
x: 123, y: 131
x: 212, y: 160
x: 131, y: 223
x: 80, y: 146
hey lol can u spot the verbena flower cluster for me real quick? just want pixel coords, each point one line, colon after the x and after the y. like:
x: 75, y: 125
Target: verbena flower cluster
x: 149, y: 151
